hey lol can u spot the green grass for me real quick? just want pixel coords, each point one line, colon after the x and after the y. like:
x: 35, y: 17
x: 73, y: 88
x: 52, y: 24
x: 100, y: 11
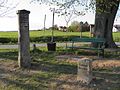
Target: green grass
x: 9, y: 34
x: 41, y: 36
x: 48, y: 33
x: 116, y: 36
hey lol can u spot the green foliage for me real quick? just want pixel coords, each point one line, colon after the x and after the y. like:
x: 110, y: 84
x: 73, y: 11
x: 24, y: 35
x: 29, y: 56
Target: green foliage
x: 77, y: 27
x: 105, y: 6
x: 8, y: 40
x: 74, y: 27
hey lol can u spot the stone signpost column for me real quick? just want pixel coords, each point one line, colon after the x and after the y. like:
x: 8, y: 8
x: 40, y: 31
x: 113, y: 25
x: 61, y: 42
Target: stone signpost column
x: 23, y: 39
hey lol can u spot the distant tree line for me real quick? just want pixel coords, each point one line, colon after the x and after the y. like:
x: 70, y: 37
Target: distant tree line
x: 79, y: 26
x: 74, y: 27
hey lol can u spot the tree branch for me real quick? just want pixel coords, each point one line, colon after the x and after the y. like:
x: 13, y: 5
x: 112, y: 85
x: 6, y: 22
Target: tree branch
x: 6, y: 7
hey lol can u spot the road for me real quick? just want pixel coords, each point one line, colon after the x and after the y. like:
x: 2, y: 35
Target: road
x: 31, y: 45
x: 37, y: 45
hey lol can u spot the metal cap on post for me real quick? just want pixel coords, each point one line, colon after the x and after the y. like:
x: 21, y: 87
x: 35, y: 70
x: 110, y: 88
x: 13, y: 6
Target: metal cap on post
x: 23, y: 11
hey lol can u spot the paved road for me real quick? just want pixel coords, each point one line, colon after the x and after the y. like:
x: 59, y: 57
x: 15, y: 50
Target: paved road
x: 37, y: 45
x: 31, y: 45
x: 118, y: 43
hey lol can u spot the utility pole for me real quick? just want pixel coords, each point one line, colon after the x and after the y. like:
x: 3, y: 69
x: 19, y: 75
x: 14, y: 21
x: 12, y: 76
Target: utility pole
x: 53, y: 24
x: 44, y: 22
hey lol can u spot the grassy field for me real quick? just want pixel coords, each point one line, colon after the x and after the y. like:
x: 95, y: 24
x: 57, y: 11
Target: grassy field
x: 41, y: 36
x: 49, y: 72
x: 48, y: 33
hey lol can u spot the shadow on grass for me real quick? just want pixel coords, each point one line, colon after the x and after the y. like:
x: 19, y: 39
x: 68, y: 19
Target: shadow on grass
x: 19, y: 79
x: 42, y: 60
x: 18, y: 85
x: 46, y: 61
x: 12, y: 55
x: 108, y: 80
x: 54, y: 67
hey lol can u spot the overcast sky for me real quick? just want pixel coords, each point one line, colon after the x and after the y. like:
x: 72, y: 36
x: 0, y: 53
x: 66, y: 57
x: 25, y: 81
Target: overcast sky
x: 37, y: 17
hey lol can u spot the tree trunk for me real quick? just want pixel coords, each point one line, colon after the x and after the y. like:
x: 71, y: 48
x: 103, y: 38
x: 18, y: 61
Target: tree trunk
x: 104, y: 23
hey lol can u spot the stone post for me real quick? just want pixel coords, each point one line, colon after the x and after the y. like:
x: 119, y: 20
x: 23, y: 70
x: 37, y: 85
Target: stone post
x: 23, y: 39
x: 84, y: 70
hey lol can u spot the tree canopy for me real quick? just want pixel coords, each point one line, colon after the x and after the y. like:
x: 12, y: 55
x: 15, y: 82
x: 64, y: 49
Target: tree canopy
x: 78, y: 7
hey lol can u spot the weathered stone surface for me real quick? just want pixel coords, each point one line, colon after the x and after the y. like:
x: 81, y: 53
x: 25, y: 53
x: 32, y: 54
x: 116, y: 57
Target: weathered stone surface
x: 84, y: 70
x: 23, y: 39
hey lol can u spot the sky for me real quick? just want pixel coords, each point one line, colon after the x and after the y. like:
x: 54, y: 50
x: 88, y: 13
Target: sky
x: 36, y: 17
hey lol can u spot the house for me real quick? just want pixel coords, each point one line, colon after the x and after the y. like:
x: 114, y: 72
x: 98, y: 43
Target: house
x: 63, y: 28
x: 116, y: 28
x: 92, y: 28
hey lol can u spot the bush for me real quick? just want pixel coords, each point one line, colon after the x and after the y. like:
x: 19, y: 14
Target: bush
x: 8, y: 40
x: 74, y: 28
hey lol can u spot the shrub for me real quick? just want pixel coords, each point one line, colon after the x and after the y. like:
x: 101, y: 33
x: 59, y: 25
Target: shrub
x: 74, y: 28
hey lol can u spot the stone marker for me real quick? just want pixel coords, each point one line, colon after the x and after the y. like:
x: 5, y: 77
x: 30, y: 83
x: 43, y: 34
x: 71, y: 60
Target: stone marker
x: 84, y: 70
x: 23, y: 39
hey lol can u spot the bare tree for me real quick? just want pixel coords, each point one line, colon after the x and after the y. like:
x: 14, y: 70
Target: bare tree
x: 6, y: 7
x: 71, y: 15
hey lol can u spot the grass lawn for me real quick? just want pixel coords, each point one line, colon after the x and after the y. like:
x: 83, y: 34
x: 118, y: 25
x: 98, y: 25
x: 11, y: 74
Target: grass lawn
x: 14, y: 34
x: 38, y: 36
x: 48, y: 72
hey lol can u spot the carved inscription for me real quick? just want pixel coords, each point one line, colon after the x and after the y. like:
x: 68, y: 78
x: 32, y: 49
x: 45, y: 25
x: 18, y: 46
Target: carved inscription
x: 84, y: 70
